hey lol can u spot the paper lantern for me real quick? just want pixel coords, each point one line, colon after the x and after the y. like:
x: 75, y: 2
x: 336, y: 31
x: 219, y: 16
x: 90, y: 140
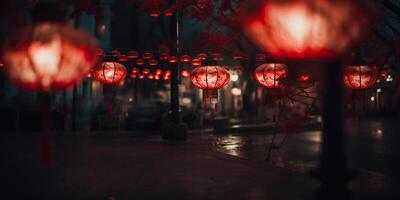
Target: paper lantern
x: 164, y: 56
x: 140, y: 62
x: 196, y: 62
x: 49, y: 56
x: 201, y: 56
x: 186, y: 58
x: 135, y: 70
x: 269, y: 75
x: 116, y: 52
x: 158, y: 71
x: 173, y: 59
x: 109, y: 73
x: 238, y: 55
x: 146, y: 71
x: 303, y: 29
x: 122, y: 58
x: 132, y: 54
x: 359, y: 76
x: 210, y: 79
x: 148, y: 56
x: 153, y: 62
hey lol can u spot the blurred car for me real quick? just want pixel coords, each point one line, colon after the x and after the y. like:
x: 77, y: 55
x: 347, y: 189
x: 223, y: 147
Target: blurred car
x: 146, y: 114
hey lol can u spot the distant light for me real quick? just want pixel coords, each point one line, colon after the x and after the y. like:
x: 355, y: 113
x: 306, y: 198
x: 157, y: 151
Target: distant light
x: 236, y: 92
x: 234, y: 76
x: 372, y: 98
x: 186, y: 101
x: 379, y: 132
x: 130, y: 99
x: 378, y: 90
x: 389, y: 78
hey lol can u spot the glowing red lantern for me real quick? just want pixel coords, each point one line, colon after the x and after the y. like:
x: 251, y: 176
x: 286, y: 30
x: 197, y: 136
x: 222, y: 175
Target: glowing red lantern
x: 169, y: 12
x: 154, y: 13
x: 185, y: 73
x: 166, y: 78
x: 269, y: 75
x: 140, y: 62
x: 110, y: 73
x: 146, y: 71
x: 201, y: 56
x: 157, y: 77
x: 173, y: 59
x: 49, y: 56
x: 217, y: 56
x: 303, y: 77
x: 158, y: 71
x: 359, y: 76
x: 164, y: 56
x: 148, y: 56
x: 238, y: 55
x: 167, y: 72
x: 133, y: 76
x: 132, y: 54
x: 116, y: 52
x: 196, y: 62
x: 210, y: 79
x: 122, y: 58
x: 153, y: 62
x: 150, y: 76
x: 186, y: 58
x: 135, y: 70
x: 304, y: 29
x: 141, y: 76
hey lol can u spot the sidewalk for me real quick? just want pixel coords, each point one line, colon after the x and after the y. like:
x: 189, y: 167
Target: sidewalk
x: 125, y: 168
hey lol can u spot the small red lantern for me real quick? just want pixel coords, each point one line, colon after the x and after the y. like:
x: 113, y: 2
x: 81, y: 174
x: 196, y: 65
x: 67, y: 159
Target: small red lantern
x: 210, y: 79
x: 122, y: 58
x: 154, y: 13
x: 132, y: 54
x: 196, y: 62
x: 303, y: 77
x: 153, y: 62
x: 49, y: 56
x: 186, y: 58
x: 166, y: 78
x: 269, y: 75
x: 360, y: 76
x: 164, y: 56
x: 304, y: 29
x: 141, y: 76
x: 217, y: 57
x: 383, y: 74
x: 201, y: 56
x: 110, y: 73
x: 185, y: 73
x: 169, y: 12
x: 150, y: 76
x: 116, y: 52
x: 133, y: 76
x: 146, y: 71
x: 164, y: 48
x: 158, y: 71
x: 157, y: 77
x: 167, y: 72
x: 173, y: 59
x: 140, y: 62
x: 238, y: 55
x: 135, y: 70
x: 148, y: 56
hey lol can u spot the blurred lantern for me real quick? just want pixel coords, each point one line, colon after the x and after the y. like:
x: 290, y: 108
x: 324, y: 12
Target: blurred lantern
x: 167, y: 72
x: 210, y: 78
x: 158, y: 71
x: 383, y: 74
x: 303, y: 77
x: 304, y: 29
x: 146, y: 71
x: 173, y: 59
x: 116, y: 52
x: 186, y: 58
x: 196, y: 62
x: 269, y: 75
x: 141, y: 76
x: 238, y: 55
x: 140, y: 62
x: 123, y: 58
x: 154, y: 13
x: 217, y: 57
x: 169, y: 11
x: 135, y: 70
x: 166, y: 78
x: 234, y: 75
x: 150, y: 76
x: 1, y: 64
x: 153, y: 62
x: 201, y: 56
x: 359, y: 76
x: 49, y: 56
x: 89, y: 75
x: 148, y: 56
x: 133, y: 76
x: 157, y: 77
x: 109, y: 73
x: 185, y: 73
x: 132, y: 54
x: 260, y: 57
x: 164, y: 56
x: 164, y: 48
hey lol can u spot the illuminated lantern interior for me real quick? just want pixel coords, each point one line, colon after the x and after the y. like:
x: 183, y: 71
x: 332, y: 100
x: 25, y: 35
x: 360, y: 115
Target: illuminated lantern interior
x: 110, y: 73
x: 186, y: 58
x: 210, y: 79
x: 196, y: 62
x: 49, y: 57
x: 269, y: 75
x: 123, y: 58
x: 140, y: 62
x: 359, y: 76
x: 132, y: 54
x: 153, y: 62
x: 146, y: 71
x: 201, y: 56
x: 173, y: 59
x: 304, y: 29
x: 150, y: 76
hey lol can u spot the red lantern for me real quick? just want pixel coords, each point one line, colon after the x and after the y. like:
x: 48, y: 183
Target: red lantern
x: 150, y: 76
x: 196, y: 62
x: 166, y: 78
x: 169, y: 12
x: 360, y: 77
x: 173, y: 59
x: 304, y: 29
x: 157, y: 77
x: 167, y: 72
x: 158, y: 71
x: 154, y: 13
x: 122, y: 58
x: 153, y: 62
x: 238, y: 55
x: 186, y: 58
x: 217, y: 57
x: 49, y: 56
x: 132, y: 54
x: 303, y: 77
x: 110, y: 73
x: 201, y: 56
x: 269, y: 75
x: 185, y: 73
x: 210, y: 79
x: 148, y: 56
x: 116, y: 52
x: 141, y: 76
x: 133, y: 76
x: 135, y: 70
x: 146, y: 71
x: 164, y: 48
x: 140, y: 62
x: 164, y: 56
